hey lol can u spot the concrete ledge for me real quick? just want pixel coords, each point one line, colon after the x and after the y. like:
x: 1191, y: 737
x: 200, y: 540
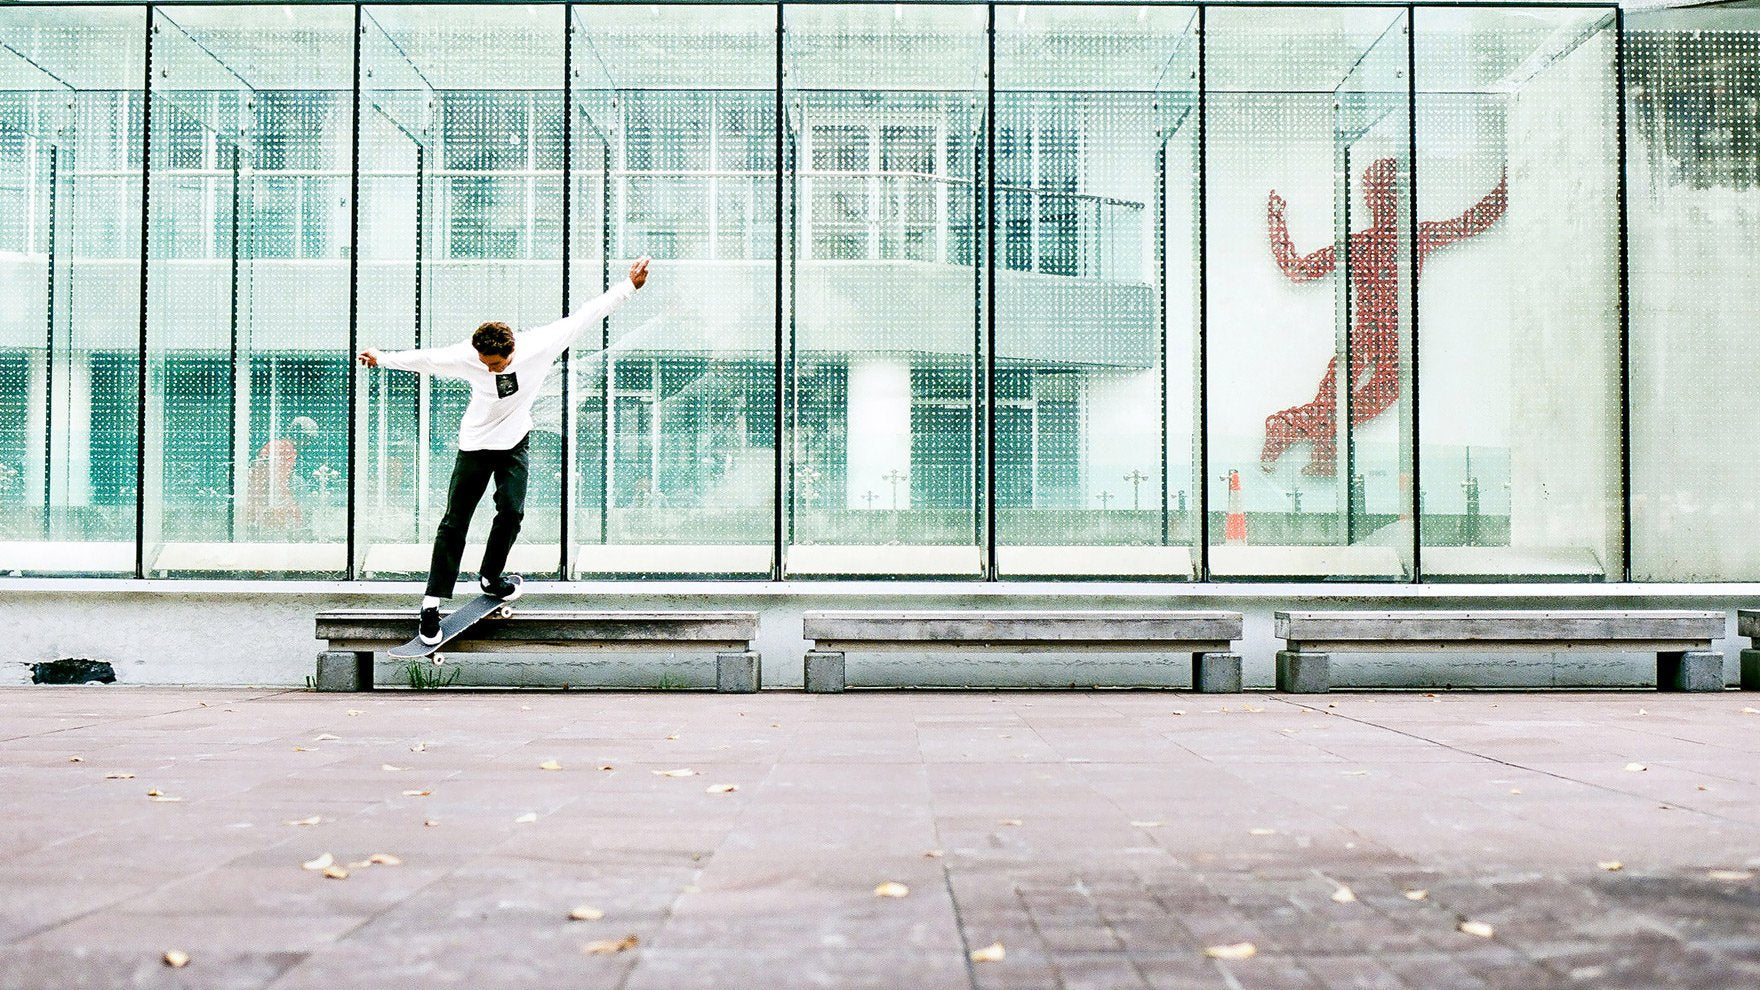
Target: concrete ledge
x: 823, y: 673
x: 737, y: 673
x: 547, y: 630
x: 1406, y: 629
x: 977, y: 627
x: 1216, y: 673
x: 1303, y: 673
x: 1690, y: 670
x: 338, y: 671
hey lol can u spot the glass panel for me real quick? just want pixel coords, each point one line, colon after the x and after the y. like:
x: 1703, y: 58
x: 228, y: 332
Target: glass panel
x: 1518, y: 202
x: 1308, y: 177
x: 247, y: 292
x: 70, y: 160
x: 460, y: 224
x: 885, y: 131
x: 1094, y: 137
x: 1693, y: 182
x: 677, y: 471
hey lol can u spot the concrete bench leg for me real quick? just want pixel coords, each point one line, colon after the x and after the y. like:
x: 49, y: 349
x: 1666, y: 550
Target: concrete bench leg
x: 1216, y: 673
x: 824, y: 672
x: 1751, y: 670
x: 339, y: 671
x: 736, y: 673
x: 1303, y: 673
x: 1693, y: 670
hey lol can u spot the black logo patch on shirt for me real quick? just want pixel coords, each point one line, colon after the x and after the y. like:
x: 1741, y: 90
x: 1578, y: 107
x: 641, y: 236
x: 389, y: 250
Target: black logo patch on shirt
x: 506, y: 384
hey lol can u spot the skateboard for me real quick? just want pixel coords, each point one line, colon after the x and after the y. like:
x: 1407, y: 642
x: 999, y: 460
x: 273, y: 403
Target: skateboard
x: 453, y: 625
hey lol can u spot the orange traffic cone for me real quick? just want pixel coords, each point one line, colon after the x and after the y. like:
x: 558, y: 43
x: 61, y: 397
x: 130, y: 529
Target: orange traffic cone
x: 1234, y: 527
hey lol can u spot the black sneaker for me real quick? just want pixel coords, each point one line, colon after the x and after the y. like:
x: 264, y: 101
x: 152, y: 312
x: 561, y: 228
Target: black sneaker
x: 507, y: 587
x: 429, y: 633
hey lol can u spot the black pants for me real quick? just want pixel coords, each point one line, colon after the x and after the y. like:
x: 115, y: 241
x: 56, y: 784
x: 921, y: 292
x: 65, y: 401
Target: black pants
x: 470, y: 476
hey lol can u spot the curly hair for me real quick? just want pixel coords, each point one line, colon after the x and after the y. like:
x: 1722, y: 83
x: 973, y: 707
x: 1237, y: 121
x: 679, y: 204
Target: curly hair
x: 493, y: 339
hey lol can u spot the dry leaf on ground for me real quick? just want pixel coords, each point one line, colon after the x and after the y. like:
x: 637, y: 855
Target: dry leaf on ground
x: 1478, y: 928
x: 314, y: 820
x: 1239, y: 950
x: 1009, y: 821
x: 322, y: 862
x: 387, y: 766
x: 336, y: 873
x: 994, y: 952
x: 1356, y: 773
x: 176, y: 958
x: 417, y: 793
x: 722, y: 788
x: 119, y: 776
x: 326, y: 737
x: 526, y: 819
x: 1611, y: 865
x: 429, y: 823
x: 585, y: 913
x: 420, y: 747
x: 1147, y: 824
x: 1417, y: 895
x: 76, y: 759
x: 675, y: 773
x: 1636, y: 767
x: 352, y: 712
x: 606, y: 766
x: 611, y: 947
x: 1730, y: 875
x: 934, y: 854
x: 384, y: 859
x: 1344, y: 895
x: 549, y: 765
x: 891, y: 889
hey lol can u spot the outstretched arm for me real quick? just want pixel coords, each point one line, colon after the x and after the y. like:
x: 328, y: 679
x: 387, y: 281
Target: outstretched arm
x: 1478, y: 219
x: 427, y: 361
x: 554, y: 338
x: 1297, y: 268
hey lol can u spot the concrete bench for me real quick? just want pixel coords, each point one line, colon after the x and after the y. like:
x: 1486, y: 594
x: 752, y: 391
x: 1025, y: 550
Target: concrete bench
x: 1680, y: 640
x: 1748, y: 624
x: 1208, y: 637
x: 352, y: 636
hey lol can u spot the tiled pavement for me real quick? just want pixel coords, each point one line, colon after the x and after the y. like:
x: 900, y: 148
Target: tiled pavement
x: 1104, y: 839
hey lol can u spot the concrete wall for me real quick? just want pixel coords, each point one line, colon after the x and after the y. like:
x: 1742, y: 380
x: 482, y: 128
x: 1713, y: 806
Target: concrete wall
x: 238, y: 633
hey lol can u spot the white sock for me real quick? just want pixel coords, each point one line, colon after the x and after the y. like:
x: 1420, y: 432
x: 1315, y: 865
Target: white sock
x: 430, y: 602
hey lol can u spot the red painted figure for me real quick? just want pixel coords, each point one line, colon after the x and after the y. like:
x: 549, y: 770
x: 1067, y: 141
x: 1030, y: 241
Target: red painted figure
x: 1375, y: 294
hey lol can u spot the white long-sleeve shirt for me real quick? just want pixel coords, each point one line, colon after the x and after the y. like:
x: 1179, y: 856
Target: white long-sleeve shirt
x: 500, y: 412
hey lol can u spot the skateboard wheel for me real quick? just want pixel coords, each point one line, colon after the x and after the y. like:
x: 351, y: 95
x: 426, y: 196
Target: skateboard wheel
x: 438, y: 658
x: 504, y: 612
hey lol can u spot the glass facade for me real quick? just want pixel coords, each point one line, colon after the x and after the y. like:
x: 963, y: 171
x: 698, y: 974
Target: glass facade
x: 1174, y: 292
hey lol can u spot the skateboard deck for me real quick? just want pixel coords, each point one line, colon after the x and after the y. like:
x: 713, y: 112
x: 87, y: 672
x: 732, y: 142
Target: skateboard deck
x: 454, y: 624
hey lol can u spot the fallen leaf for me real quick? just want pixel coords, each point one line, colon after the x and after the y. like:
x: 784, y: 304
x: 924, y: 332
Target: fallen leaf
x: 525, y: 708
x: 1239, y: 950
x: 1417, y: 895
x: 1146, y: 824
x: 675, y: 773
x: 326, y: 737
x: 420, y: 747
x: 417, y: 793
x: 119, y: 776
x: 722, y: 788
x: 302, y: 749
x: 76, y: 759
x: 1479, y: 928
x: 314, y: 820
x: 891, y: 889
x: 672, y: 738
x: 429, y: 823
x: 611, y: 947
x: 1515, y: 790
x: 585, y: 913
x: 1009, y: 821
x: 1250, y: 708
x: 157, y: 796
x: 1356, y: 773
x: 387, y: 766
x: 1703, y: 787
x: 526, y: 819
x: 549, y: 765
x: 1261, y: 831
x: 336, y: 873
x: 176, y: 958
x: 1611, y: 865
x: 1636, y: 767
x: 353, y: 712
x: 1751, y: 711
x: 934, y: 854
x: 1344, y: 895
x: 993, y: 952
x: 1642, y: 712
x: 1730, y: 875
x: 321, y: 863
x: 607, y: 766
x: 384, y: 859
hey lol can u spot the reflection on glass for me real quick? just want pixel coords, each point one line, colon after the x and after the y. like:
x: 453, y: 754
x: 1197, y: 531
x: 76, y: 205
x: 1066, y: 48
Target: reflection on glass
x: 675, y: 142
x: 885, y: 132
x: 70, y: 180
x: 460, y: 224
x: 1308, y: 283
x: 1095, y: 132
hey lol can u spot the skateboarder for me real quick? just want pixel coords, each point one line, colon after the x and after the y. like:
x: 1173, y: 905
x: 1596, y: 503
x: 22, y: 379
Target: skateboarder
x: 505, y: 371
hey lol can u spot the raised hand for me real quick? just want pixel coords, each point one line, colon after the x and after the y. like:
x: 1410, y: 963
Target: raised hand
x: 369, y: 357
x: 638, y: 272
